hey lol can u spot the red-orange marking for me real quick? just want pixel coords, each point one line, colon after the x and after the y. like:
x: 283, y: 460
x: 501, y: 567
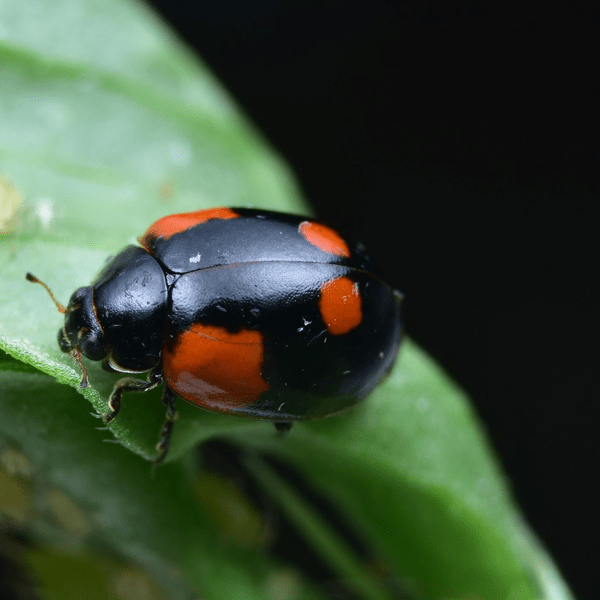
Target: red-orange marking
x: 324, y: 237
x: 340, y: 305
x: 215, y: 369
x: 172, y: 224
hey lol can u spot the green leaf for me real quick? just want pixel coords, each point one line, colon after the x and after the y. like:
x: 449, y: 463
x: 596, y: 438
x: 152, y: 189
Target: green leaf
x: 412, y: 471
x: 317, y: 532
x: 155, y: 521
x: 108, y: 123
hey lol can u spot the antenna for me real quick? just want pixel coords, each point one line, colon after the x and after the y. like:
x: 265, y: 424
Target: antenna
x: 34, y: 279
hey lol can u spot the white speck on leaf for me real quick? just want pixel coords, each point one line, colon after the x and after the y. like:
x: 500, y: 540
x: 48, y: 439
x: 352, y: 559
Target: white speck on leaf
x: 44, y: 211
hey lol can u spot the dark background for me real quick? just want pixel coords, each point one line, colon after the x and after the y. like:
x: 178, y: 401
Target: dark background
x: 479, y: 126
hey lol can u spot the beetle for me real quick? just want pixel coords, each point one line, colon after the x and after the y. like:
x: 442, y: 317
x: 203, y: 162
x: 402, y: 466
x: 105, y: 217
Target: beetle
x: 244, y: 311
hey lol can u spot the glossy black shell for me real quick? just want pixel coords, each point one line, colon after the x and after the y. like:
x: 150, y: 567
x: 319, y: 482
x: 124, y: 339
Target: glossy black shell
x: 255, y: 272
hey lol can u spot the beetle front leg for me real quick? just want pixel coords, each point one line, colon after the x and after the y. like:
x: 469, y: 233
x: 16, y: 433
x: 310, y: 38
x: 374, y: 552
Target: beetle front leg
x: 130, y: 384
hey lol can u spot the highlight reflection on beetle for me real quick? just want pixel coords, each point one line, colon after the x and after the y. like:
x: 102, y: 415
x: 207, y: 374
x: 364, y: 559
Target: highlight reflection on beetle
x: 244, y: 311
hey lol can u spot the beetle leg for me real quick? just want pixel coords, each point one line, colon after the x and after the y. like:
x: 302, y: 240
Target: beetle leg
x: 168, y: 399
x: 130, y: 384
x: 283, y: 426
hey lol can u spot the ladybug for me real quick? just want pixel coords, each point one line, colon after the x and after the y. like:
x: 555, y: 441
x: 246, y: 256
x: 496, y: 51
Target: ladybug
x: 243, y: 311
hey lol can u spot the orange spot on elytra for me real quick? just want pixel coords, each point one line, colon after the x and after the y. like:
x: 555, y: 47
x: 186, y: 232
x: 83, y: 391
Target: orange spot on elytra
x: 216, y: 369
x: 340, y: 305
x: 172, y: 224
x: 324, y: 237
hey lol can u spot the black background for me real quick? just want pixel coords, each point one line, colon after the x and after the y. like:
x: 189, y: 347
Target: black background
x: 479, y: 126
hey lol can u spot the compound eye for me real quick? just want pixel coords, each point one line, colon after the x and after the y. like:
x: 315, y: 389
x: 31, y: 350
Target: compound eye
x: 63, y: 342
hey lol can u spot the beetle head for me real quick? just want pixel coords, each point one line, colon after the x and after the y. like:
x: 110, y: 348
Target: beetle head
x: 81, y: 332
